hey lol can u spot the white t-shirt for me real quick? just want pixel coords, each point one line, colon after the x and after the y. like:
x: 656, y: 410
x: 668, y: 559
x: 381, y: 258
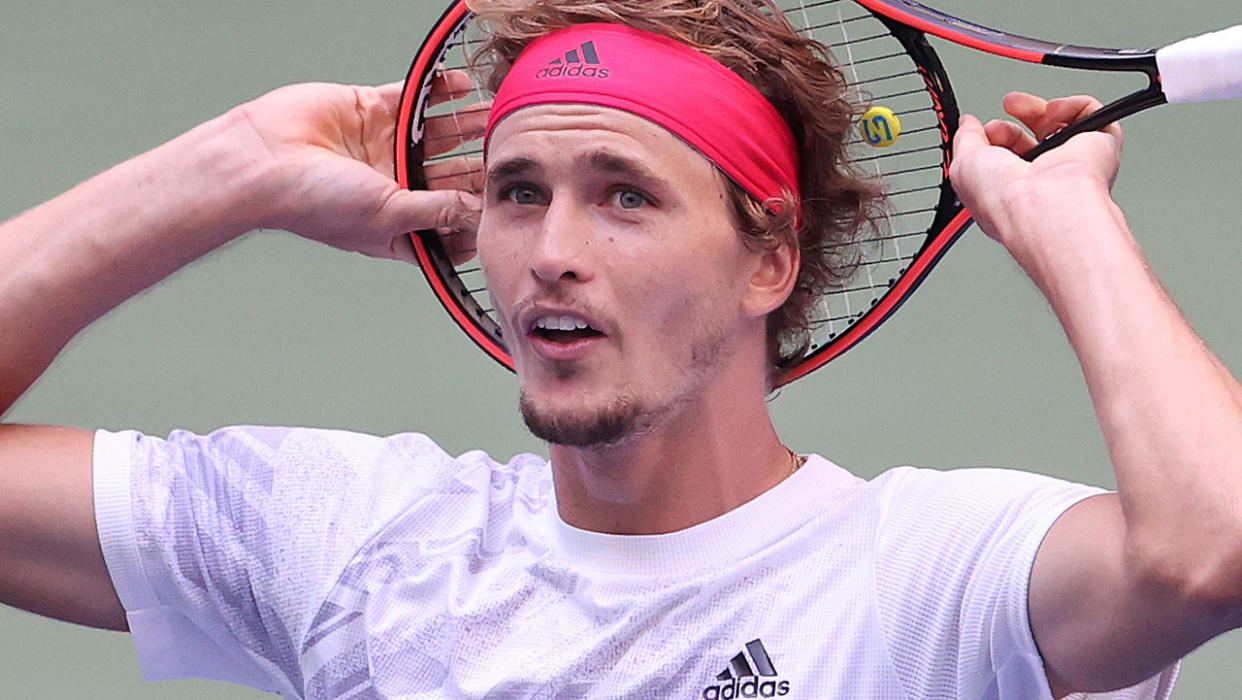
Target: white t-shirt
x: 327, y: 564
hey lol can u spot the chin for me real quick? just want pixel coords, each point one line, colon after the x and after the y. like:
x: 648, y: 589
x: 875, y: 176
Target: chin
x: 586, y: 427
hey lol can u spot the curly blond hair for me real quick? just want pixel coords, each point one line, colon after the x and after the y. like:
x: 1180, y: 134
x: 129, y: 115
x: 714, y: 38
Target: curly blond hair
x: 796, y: 74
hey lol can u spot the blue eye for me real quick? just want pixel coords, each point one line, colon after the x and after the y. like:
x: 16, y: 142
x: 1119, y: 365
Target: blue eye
x: 522, y: 194
x: 629, y: 199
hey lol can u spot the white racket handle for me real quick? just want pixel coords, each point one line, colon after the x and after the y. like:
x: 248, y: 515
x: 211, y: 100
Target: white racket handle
x: 1202, y: 68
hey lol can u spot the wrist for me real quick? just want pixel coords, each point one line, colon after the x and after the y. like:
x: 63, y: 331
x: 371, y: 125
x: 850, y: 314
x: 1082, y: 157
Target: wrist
x: 1080, y: 254
x: 220, y: 169
x: 1056, y: 226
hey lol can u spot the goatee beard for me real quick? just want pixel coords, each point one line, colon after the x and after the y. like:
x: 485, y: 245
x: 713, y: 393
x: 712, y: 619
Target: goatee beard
x: 608, y: 426
x: 625, y: 417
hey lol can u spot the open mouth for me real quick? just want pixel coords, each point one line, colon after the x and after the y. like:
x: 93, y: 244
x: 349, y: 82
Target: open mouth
x: 558, y: 336
x: 563, y: 329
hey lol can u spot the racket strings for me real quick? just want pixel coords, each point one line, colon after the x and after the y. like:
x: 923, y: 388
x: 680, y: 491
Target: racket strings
x: 883, y: 57
x: 455, y: 94
x: 849, y: 42
x: 871, y: 80
x: 810, y: 30
x: 455, y: 118
x: 899, y: 93
x: 816, y: 4
x: 878, y: 72
x: 916, y: 169
x: 918, y: 130
x: 890, y: 156
x: 454, y: 173
x: 456, y: 154
x: 886, y: 237
x: 913, y: 190
x: 459, y: 167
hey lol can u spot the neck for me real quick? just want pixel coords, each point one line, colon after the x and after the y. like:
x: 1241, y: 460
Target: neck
x: 710, y: 456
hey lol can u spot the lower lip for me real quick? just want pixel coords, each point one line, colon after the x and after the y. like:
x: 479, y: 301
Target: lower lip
x: 560, y: 352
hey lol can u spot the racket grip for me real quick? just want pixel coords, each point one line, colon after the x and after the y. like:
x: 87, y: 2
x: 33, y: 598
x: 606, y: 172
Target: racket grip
x: 1202, y: 68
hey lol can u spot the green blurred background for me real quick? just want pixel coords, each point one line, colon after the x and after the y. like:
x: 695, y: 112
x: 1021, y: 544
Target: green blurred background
x: 275, y: 330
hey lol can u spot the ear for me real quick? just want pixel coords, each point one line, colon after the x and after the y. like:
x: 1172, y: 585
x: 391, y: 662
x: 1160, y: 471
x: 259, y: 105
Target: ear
x: 771, y: 281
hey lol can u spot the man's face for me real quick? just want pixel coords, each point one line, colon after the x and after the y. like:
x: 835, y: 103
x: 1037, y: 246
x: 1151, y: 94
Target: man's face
x: 615, y: 268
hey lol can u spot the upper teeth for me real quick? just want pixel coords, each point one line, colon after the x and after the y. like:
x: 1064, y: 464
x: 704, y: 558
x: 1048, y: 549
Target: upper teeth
x: 561, y: 323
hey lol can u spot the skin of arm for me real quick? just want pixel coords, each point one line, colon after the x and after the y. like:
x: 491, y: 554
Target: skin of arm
x: 312, y: 159
x: 1123, y: 584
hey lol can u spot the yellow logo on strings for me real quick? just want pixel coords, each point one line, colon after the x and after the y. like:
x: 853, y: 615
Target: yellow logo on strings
x: 879, y: 127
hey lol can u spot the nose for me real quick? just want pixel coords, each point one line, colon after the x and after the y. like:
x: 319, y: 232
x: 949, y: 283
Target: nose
x: 561, y: 252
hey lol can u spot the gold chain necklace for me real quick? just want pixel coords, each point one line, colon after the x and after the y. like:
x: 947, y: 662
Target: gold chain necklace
x: 795, y: 460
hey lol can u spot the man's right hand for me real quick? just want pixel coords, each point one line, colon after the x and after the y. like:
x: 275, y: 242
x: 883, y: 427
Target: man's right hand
x: 312, y: 159
x: 328, y: 152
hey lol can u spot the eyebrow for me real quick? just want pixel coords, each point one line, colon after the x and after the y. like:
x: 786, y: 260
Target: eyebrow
x: 612, y: 163
x: 597, y: 160
x: 512, y: 167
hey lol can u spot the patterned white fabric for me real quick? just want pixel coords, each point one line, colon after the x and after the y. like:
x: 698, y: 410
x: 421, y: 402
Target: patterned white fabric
x: 327, y: 564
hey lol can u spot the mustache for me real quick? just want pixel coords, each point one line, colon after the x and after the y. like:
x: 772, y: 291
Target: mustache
x: 558, y: 299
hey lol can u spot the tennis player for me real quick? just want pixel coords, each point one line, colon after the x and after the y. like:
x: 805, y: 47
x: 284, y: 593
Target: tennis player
x: 650, y: 267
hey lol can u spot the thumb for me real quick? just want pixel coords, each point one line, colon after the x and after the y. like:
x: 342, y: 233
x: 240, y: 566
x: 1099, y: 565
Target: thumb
x: 971, y: 138
x: 422, y: 210
x: 970, y: 135
x: 454, y: 214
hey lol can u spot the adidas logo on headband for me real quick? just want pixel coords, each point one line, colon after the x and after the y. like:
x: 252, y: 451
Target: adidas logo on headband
x: 582, y: 61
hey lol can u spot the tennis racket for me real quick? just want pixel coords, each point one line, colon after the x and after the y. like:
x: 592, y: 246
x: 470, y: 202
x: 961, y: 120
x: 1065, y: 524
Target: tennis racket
x: 904, y: 139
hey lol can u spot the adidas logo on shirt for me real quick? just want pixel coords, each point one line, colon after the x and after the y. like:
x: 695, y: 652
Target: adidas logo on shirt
x: 753, y: 677
x: 582, y: 61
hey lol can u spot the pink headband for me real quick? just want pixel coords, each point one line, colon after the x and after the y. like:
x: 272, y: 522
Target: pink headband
x: 683, y: 90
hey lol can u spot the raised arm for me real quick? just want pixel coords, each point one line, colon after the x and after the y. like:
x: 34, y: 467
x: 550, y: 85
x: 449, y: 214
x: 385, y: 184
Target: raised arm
x: 1122, y: 585
x: 312, y: 159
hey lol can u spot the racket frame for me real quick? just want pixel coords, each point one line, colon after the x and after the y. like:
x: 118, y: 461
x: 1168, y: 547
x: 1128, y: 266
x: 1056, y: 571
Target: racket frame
x: 909, y: 22
x: 433, y: 259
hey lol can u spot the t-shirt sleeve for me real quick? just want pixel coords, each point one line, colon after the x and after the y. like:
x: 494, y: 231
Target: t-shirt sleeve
x: 969, y: 538
x: 222, y: 547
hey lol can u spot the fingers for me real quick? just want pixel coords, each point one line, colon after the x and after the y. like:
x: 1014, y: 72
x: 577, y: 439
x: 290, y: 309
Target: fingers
x: 461, y: 224
x: 450, y: 85
x: 1028, y: 109
x: 460, y: 245
x: 389, y: 92
x: 978, y: 168
x: 441, y: 133
x: 971, y: 136
x: 448, y: 210
x: 402, y: 248
x: 444, y: 132
x: 1009, y: 135
x: 464, y: 173
x: 366, y: 131
x: 1046, y: 117
x: 455, y: 215
x: 447, y: 85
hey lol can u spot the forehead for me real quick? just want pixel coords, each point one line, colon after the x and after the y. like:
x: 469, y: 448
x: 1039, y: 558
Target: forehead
x: 549, y: 134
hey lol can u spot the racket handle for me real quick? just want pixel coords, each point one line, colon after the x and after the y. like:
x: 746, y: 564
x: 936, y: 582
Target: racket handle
x: 1202, y: 68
